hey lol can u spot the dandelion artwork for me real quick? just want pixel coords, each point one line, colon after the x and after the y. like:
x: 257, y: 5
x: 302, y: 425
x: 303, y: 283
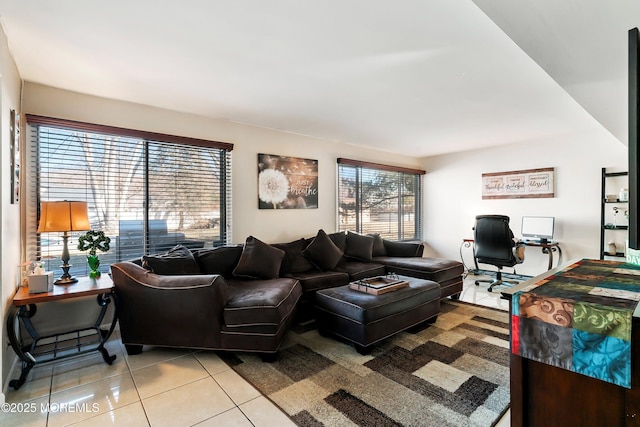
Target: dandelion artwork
x: 287, y: 182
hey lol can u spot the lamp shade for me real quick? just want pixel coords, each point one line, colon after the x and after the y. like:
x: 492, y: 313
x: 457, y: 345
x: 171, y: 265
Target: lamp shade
x: 63, y: 216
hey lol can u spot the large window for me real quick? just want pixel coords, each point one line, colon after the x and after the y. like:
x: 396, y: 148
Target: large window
x: 146, y: 191
x: 381, y: 199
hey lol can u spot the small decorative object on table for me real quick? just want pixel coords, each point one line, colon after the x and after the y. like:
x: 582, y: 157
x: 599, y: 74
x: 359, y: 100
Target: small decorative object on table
x: 40, y: 280
x: 91, y: 241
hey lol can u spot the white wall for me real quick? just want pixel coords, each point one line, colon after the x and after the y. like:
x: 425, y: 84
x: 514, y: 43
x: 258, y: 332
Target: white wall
x: 270, y: 226
x: 9, y: 213
x: 453, y: 194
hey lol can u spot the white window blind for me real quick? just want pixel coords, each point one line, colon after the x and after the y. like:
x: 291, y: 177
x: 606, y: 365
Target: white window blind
x: 380, y: 199
x: 146, y: 191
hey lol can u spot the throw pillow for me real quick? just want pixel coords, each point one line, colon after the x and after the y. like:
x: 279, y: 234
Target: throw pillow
x: 259, y: 260
x: 359, y: 246
x: 339, y: 239
x: 221, y: 260
x: 177, y: 261
x: 322, y: 252
x: 378, y: 246
x: 294, y: 261
x: 403, y: 249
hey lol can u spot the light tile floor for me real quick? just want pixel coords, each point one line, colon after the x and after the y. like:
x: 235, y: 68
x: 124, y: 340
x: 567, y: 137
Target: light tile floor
x: 160, y: 387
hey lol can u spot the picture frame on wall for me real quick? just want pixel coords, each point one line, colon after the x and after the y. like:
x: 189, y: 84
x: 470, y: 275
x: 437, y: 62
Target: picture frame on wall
x: 286, y: 182
x: 14, y: 142
x: 520, y: 184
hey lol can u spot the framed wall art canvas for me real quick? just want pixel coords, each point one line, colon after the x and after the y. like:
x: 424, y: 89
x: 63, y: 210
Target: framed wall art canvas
x: 287, y: 182
x: 14, y: 142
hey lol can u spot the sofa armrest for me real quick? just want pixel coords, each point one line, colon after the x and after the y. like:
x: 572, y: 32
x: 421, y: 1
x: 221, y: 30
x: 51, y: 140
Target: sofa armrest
x: 180, y: 311
x: 403, y: 249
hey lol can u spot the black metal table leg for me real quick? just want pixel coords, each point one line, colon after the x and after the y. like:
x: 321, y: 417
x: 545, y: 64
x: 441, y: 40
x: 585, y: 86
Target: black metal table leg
x: 104, y: 300
x: 25, y: 313
x: 64, y: 344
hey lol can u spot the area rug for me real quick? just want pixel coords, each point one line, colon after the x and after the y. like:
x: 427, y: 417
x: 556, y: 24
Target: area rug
x: 452, y: 373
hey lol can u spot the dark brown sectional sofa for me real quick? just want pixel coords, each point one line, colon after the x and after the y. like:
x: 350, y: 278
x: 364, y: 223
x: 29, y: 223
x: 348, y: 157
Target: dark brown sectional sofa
x: 245, y: 297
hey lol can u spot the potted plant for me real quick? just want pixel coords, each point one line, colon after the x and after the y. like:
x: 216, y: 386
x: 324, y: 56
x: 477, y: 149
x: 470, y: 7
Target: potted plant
x: 93, y: 240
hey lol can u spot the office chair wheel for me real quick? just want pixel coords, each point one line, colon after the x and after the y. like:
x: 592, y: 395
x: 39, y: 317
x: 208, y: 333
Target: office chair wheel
x: 477, y: 283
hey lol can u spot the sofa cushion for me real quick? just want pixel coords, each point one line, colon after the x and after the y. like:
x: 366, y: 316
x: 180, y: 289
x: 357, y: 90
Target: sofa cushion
x: 436, y: 269
x: 259, y: 260
x: 221, y: 260
x: 322, y: 252
x: 360, y: 270
x: 403, y: 249
x: 177, y: 261
x: 378, y: 246
x: 294, y: 261
x: 314, y: 280
x: 359, y: 246
x: 260, y: 302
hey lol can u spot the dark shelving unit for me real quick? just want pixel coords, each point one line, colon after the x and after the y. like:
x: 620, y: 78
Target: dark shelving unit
x: 603, y: 205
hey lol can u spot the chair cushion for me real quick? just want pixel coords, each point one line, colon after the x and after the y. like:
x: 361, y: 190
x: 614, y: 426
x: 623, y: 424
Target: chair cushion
x: 259, y: 260
x: 294, y: 261
x: 359, y: 246
x: 322, y: 252
x: 260, y: 302
x: 221, y: 260
x: 177, y: 261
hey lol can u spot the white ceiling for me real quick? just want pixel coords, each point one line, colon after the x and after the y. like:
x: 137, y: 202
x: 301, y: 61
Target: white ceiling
x: 418, y: 77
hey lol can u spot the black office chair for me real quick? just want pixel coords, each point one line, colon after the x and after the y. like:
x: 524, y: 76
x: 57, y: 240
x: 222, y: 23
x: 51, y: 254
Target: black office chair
x: 494, y: 244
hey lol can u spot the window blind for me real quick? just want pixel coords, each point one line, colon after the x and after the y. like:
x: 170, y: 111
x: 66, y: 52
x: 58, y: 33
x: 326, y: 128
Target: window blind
x: 380, y: 199
x: 148, y: 192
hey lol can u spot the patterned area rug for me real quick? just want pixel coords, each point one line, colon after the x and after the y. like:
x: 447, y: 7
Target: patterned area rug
x: 452, y: 373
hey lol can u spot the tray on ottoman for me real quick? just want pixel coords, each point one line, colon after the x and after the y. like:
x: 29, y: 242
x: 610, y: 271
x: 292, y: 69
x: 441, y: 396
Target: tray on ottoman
x: 378, y: 285
x: 365, y: 319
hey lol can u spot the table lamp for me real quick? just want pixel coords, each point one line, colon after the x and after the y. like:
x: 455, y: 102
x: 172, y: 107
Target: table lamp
x: 64, y: 216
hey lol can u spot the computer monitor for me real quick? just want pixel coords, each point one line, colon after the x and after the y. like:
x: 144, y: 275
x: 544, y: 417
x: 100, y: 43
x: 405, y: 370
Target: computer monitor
x: 537, y: 227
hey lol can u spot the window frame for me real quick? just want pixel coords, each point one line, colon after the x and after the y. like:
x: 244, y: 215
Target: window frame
x: 148, y: 139
x: 363, y: 166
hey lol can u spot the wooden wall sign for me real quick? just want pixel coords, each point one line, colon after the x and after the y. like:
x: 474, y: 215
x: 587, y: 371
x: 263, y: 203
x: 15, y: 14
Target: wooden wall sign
x: 531, y: 183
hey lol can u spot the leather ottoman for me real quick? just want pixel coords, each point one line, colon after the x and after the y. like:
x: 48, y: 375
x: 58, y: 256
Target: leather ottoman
x: 365, y: 319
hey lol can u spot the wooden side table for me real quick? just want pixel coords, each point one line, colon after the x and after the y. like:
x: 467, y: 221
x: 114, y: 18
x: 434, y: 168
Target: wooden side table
x: 41, y: 349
